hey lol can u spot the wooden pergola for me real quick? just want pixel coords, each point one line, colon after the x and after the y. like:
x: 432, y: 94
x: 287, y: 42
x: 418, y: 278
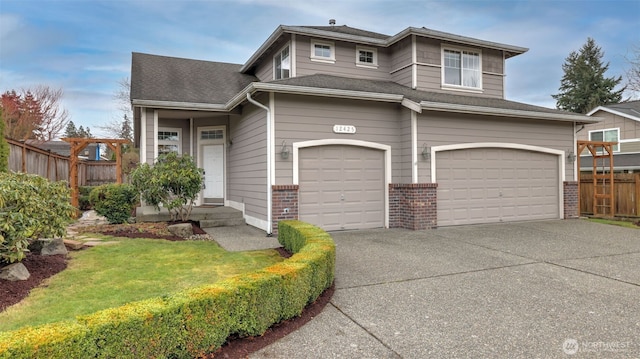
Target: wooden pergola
x: 603, y: 191
x: 77, y: 145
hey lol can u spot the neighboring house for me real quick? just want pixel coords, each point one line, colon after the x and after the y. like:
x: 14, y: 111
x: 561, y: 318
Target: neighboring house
x: 91, y: 152
x: 620, y: 123
x: 351, y: 129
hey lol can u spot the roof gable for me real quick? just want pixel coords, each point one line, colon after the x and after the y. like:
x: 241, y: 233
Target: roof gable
x: 630, y: 110
x: 364, y: 37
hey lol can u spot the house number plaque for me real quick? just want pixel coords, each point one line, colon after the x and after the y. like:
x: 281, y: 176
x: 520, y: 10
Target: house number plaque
x: 344, y: 129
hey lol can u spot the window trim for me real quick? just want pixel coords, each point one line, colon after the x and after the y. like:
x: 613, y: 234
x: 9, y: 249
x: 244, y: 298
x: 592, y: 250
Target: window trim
x: 461, y: 50
x: 160, y: 142
x: 374, y: 51
x: 332, y: 50
x: 279, y: 52
x: 616, y: 148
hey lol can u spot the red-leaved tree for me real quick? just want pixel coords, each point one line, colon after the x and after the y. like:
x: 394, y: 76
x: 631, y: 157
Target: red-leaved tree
x: 33, y: 114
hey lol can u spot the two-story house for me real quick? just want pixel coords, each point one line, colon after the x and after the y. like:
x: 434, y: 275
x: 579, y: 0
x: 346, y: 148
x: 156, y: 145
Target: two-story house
x: 620, y: 123
x: 349, y: 129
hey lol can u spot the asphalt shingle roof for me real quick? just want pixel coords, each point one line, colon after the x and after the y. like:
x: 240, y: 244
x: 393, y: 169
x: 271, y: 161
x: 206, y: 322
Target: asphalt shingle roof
x: 631, y: 108
x: 163, y: 78
x: 344, y: 29
x: 389, y: 87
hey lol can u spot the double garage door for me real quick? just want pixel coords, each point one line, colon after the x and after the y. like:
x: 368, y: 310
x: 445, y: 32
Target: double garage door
x: 488, y: 185
x: 341, y: 187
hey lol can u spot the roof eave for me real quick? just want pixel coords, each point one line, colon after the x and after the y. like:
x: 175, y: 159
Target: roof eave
x: 327, y: 92
x: 511, y: 49
x: 612, y: 111
x: 176, y: 105
x: 481, y: 110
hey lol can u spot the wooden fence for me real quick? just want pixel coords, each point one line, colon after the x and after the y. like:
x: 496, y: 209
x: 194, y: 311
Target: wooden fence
x: 626, y: 191
x: 30, y: 159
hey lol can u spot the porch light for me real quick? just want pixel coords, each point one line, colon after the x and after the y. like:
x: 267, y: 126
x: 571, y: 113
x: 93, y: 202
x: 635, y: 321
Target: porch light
x: 571, y: 156
x: 426, y: 152
x: 284, y: 152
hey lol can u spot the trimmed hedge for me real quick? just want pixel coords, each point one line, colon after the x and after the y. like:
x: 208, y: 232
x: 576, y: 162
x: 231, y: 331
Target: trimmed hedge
x: 193, y: 322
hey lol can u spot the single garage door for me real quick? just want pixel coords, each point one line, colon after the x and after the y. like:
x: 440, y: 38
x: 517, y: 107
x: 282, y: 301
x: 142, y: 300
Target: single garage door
x: 341, y: 187
x: 487, y: 185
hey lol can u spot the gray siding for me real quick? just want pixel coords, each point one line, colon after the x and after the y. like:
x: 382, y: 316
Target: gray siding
x: 403, y: 77
x: 401, y: 54
x: 437, y: 129
x: 629, y: 130
x: 345, y: 63
x: 150, y: 135
x: 405, y: 147
x: 429, y: 78
x: 428, y: 51
x: 303, y: 118
x: 492, y: 85
x: 247, y: 165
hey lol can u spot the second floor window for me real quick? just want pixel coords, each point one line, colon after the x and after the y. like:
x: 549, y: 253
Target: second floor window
x: 323, y: 51
x: 282, y: 64
x: 462, y: 68
x: 366, y: 57
x: 608, y: 135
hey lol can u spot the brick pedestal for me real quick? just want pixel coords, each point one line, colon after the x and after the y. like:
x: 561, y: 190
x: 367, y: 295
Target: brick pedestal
x: 413, y: 206
x: 570, y: 190
x: 284, y: 204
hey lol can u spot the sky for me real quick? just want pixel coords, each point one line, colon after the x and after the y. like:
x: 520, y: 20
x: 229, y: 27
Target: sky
x: 85, y: 46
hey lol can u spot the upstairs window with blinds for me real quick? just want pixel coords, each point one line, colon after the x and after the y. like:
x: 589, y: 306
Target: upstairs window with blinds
x: 461, y: 68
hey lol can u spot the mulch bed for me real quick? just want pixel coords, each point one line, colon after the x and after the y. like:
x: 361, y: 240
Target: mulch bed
x: 133, y: 232
x: 42, y: 267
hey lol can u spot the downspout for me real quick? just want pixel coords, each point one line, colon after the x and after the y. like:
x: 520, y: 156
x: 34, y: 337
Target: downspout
x: 269, y: 150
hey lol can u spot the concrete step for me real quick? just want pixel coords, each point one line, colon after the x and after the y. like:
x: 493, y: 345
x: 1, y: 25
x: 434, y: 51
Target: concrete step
x: 223, y: 222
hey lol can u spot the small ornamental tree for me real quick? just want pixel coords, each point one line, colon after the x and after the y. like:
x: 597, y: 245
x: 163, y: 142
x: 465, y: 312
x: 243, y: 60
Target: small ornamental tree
x: 30, y: 207
x: 4, y: 147
x: 174, y: 181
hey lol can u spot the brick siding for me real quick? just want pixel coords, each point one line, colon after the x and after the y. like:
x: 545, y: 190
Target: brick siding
x: 570, y: 190
x: 284, y: 204
x: 413, y: 206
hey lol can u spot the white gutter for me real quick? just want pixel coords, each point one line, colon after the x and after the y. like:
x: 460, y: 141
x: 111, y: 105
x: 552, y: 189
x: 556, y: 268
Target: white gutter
x: 269, y: 156
x: 179, y: 105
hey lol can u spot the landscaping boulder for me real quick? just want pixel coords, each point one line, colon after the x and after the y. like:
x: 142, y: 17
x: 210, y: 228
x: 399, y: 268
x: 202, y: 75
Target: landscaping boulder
x: 183, y: 230
x: 14, y: 272
x: 48, y: 246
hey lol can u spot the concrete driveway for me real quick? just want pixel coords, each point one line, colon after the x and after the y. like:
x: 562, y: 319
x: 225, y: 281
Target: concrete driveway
x: 548, y: 289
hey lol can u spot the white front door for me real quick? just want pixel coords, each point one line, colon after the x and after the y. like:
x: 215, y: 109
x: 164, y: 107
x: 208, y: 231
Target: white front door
x: 213, y: 165
x: 211, y: 151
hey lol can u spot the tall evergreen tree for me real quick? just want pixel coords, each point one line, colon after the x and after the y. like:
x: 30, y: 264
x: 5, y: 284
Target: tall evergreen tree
x: 71, y: 131
x: 584, y: 86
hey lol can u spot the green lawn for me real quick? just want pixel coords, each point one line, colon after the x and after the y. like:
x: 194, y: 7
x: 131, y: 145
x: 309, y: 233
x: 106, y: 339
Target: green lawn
x: 627, y: 224
x: 134, y: 269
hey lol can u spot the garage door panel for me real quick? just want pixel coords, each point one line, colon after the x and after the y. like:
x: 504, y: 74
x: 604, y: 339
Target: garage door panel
x: 349, y: 179
x: 501, y: 185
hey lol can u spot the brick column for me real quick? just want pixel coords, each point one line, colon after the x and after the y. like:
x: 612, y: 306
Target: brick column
x: 284, y: 204
x: 413, y: 206
x: 570, y: 191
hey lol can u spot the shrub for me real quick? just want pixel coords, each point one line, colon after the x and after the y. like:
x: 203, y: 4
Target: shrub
x: 194, y: 322
x: 30, y: 207
x: 174, y: 181
x: 114, y: 201
x: 83, y: 197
